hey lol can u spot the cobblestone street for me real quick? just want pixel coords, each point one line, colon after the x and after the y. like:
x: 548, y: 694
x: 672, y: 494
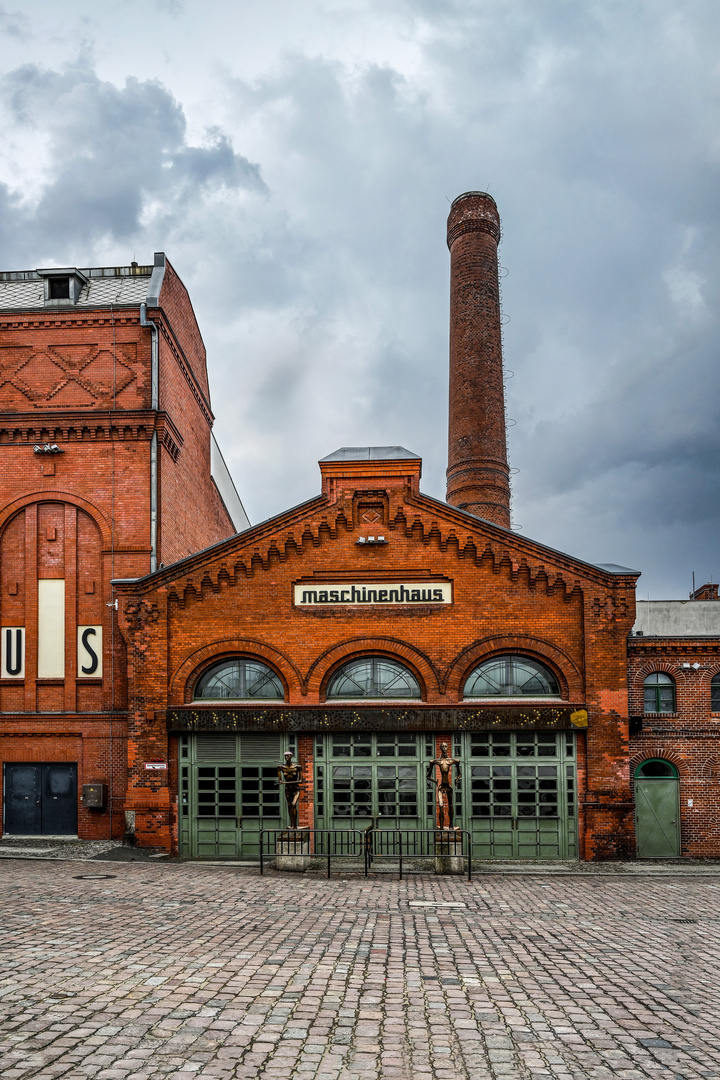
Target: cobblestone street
x: 115, y: 970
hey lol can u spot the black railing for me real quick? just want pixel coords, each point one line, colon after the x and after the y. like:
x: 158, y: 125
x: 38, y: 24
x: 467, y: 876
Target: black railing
x: 399, y: 844
x: 326, y: 844
x: 369, y: 845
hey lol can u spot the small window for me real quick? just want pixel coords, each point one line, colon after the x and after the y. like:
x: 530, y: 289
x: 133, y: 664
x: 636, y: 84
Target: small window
x: 239, y: 679
x: 511, y: 676
x: 659, y: 693
x: 715, y: 693
x: 59, y: 288
x: 655, y: 769
x: 373, y: 677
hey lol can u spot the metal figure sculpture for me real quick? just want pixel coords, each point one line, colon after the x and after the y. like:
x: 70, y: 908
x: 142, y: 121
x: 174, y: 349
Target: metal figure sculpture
x: 290, y: 777
x: 444, y: 784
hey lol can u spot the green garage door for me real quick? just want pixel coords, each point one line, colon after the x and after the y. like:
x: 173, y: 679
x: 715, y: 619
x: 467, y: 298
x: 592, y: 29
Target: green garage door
x: 367, y: 779
x: 228, y: 792
x: 518, y: 794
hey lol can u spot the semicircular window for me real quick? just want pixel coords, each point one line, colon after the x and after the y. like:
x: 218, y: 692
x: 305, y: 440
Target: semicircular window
x: 238, y: 679
x: 655, y: 769
x: 511, y: 676
x: 373, y: 677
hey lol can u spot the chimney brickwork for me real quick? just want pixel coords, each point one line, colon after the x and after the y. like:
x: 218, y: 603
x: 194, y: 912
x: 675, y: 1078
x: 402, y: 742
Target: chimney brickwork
x: 478, y: 477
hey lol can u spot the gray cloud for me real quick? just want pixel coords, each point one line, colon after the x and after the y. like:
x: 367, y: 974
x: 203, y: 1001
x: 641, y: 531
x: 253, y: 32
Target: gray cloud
x: 112, y: 150
x: 321, y: 281
x: 14, y: 24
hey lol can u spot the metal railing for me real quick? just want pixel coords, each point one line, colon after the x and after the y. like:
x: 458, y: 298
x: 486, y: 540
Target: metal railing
x: 399, y: 844
x: 326, y: 844
x: 369, y: 845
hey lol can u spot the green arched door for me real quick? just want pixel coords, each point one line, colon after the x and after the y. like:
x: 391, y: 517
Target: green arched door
x: 657, y: 810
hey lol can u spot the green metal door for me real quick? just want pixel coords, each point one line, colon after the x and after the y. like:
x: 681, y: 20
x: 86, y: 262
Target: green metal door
x: 367, y: 779
x: 518, y: 794
x: 657, y: 810
x: 228, y: 793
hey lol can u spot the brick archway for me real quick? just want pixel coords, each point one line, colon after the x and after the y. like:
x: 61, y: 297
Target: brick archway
x: 92, y: 511
x: 569, y: 677
x: 328, y: 662
x: 710, y: 769
x: 186, y: 675
x: 649, y: 753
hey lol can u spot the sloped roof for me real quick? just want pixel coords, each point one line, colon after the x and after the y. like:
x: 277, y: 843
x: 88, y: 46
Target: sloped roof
x: 371, y: 453
x: 121, y: 286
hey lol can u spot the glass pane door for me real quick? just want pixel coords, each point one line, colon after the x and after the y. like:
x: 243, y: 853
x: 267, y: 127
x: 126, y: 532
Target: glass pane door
x: 518, y: 794
x: 228, y: 793
x: 367, y: 779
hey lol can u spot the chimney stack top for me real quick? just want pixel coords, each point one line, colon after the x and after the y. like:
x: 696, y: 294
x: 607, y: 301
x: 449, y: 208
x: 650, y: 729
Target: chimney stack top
x: 474, y: 211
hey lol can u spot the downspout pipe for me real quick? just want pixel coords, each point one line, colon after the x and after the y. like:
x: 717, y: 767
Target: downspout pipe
x: 148, y: 324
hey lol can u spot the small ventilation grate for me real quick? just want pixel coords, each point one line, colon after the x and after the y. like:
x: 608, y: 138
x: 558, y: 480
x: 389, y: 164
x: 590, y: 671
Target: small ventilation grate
x: 216, y: 747
x: 265, y: 748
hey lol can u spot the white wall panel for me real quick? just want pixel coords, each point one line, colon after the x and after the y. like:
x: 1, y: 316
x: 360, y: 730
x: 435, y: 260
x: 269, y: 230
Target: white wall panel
x: 51, y: 628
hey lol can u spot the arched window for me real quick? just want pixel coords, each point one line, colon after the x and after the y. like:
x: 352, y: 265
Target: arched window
x: 659, y: 693
x: 511, y: 676
x: 238, y: 679
x: 373, y: 677
x: 715, y: 693
x: 655, y: 769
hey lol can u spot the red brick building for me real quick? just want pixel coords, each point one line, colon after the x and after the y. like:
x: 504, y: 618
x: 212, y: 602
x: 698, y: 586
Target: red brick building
x: 359, y: 631
x: 674, y: 679
x: 105, y: 445
x: 372, y: 573
x: 366, y: 627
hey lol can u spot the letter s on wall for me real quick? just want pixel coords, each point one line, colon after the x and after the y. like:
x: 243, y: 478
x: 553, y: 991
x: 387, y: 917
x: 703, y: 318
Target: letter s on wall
x: 90, y: 652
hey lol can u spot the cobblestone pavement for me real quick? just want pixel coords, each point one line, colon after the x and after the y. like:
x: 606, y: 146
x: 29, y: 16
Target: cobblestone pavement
x: 141, y: 970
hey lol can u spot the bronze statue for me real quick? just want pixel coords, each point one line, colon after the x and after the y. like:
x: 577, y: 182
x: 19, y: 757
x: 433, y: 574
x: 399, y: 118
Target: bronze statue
x: 290, y: 777
x: 444, y: 784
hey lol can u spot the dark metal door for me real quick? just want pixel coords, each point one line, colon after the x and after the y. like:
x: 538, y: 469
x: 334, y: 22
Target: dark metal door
x: 22, y: 799
x: 59, y: 799
x: 41, y: 799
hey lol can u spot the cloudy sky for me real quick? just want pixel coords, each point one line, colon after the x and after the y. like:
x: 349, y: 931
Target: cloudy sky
x: 295, y: 160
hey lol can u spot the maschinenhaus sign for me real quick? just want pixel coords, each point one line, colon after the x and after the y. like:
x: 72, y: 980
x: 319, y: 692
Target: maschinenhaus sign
x: 375, y: 592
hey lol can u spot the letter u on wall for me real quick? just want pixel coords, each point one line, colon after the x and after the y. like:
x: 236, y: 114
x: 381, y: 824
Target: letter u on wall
x: 13, y: 652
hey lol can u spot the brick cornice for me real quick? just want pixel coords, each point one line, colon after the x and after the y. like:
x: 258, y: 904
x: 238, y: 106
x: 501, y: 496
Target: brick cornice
x: 25, y: 429
x: 258, y: 548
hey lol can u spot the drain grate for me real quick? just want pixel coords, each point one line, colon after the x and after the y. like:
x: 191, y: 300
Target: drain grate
x: 92, y: 877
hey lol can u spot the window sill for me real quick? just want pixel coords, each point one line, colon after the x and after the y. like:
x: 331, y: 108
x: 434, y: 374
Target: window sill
x: 213, y: 703
x: 660, y: 716
x: 529, y: 700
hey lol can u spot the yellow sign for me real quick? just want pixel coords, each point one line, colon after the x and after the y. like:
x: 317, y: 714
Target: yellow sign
x: 579, y: 718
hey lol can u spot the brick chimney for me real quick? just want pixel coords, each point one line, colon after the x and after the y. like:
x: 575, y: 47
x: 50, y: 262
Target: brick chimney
x: 478, y: 477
